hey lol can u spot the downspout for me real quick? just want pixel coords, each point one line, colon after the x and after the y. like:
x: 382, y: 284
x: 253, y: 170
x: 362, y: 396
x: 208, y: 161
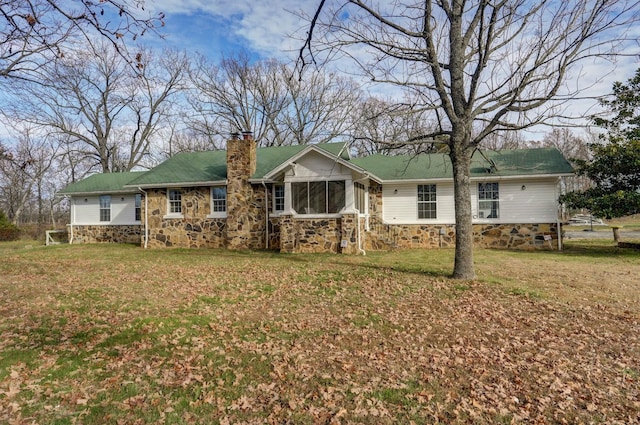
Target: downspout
x: 559, y: 215
x: 360, y: 249
x: 266, y: 216
x: 146, y: 217
x: 72, y: 219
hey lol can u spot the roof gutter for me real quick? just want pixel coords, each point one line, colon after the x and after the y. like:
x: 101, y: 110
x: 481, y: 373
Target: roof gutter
x: 180, y: 184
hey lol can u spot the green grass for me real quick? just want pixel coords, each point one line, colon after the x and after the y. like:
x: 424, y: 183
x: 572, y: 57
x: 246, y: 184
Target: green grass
x: 112, y: 334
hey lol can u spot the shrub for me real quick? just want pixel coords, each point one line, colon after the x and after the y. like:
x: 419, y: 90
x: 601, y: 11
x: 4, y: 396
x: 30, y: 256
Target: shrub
x: 8, y: 230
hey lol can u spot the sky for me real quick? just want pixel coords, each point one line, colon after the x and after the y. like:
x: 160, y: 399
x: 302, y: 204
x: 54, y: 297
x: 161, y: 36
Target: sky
x: 218, y: 28
x: 262, y: 28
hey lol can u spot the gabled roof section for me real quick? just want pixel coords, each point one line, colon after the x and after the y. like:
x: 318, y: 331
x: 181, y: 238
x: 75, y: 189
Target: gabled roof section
x: 337, y: 151
x: 518, y: 162
x: 102, y: 183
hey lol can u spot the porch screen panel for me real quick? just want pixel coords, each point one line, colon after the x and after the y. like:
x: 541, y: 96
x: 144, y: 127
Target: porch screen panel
x: 299, y: 200
x: 317, y: 198
x: 360, y: 193
x: 335, y: 192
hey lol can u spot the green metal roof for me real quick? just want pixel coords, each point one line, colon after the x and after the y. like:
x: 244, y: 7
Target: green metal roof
x: 193, y: 168
x: 199, y: 167
x: 519, y: 162
x: 102, y: 183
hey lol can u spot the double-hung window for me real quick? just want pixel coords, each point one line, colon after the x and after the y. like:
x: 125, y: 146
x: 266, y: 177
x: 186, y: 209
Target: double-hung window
x: 278, y: 198
x: 175, y: 201
x: 219, y: 200
x: 105, y: 207
x: 138, y: 210
x: 427, y: 205
x: 318, y: 197
x: 488, y: 200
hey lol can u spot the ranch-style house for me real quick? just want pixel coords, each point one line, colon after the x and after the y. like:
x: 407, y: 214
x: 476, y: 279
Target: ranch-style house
x: 317, y: 198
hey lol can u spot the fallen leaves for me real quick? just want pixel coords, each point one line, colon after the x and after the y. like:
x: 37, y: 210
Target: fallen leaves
x: 170, y: 337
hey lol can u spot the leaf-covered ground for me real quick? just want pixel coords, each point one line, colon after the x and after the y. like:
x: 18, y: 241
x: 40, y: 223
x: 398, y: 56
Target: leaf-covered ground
x: 118, y: 335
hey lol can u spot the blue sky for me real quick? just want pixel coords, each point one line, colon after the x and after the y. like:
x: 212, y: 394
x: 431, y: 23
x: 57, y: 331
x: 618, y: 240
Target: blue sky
x: 218, y: 28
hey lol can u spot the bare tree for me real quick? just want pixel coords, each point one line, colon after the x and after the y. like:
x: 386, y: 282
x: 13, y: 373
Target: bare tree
x: 238, y: 95
x: 33, y: 32
x: 481, y: 66
x: 265, y: 98
x: 108, y: 111
x: 573, y: 147
x: 321, y: 109
x: 505, y: 140
x: 23, y: 174
x: 383, y: 126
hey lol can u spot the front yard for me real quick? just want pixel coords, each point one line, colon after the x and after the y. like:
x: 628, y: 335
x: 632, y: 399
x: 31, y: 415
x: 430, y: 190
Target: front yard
x: 108, y: 334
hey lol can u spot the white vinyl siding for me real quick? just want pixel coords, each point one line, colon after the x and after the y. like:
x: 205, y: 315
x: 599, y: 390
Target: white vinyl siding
x: 123, y: 211
x: 400, y: 204
x: 315, y: 166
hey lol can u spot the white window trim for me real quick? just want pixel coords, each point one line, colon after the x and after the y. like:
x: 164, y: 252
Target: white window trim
x: 499, y: 201
x: 171, y: 215
x: 100, y: 209
x: 217, y: 214
x: 418, y: 202
x: 275, y: 212
x: 135, y: 197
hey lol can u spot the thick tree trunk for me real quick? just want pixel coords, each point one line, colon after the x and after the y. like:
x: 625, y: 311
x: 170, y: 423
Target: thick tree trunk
x: 461, y: 160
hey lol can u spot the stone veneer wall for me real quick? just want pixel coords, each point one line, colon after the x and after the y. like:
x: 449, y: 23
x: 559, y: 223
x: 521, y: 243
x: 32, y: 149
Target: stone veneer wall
x: 309, y: 234
x: 193, y: 230
x: 274, y: 233
x: 250, y: 232
x: 196, y: 230
x: 107, y: 233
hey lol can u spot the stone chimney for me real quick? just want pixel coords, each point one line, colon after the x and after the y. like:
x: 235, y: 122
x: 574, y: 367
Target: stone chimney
x: 241, y: 156
x: 241, y: 164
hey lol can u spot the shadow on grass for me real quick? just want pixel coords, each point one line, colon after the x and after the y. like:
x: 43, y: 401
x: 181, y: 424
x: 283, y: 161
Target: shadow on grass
x: 433, y: 263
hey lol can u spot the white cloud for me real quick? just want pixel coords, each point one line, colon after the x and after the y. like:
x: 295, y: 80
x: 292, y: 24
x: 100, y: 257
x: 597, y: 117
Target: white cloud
x: 265, y: 26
